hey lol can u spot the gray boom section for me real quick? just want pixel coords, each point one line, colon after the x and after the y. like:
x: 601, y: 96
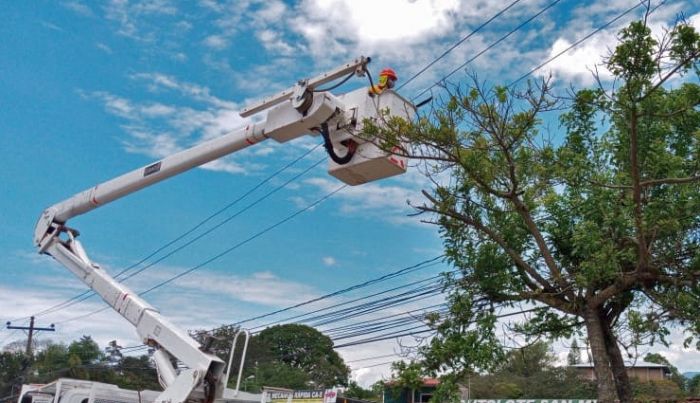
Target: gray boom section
x: 140, y: 178
x: 358, y: 66
x: 151, y: 326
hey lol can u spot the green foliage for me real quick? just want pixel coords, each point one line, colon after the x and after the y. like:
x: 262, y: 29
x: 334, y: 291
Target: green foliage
x: 12, y: 371
x: 529, y: 373
x: 85, y: 350
x: 283, y: 376
x: 693, y: 386
x: 307, y: 349
x: 676, y: 376
x: 656, y: 391
x: 574, y: 355
x: 135, y: 373
x: 358, y: 392
x: 288, y: 356
x: 81, y: 359
x: 406, y: 376
x: 599, y: 229
x: 529, y: 360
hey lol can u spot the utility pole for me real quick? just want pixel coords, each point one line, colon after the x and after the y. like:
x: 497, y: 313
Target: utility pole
x: 31, y: 328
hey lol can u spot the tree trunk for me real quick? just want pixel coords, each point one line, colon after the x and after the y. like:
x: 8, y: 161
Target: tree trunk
x: 601, y: 363
x: 617, y: 363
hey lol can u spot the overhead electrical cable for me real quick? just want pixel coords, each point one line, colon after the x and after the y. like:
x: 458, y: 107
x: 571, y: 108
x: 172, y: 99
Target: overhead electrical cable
x: 373, y: 358
x: 67, y: 302
x: 375, y: 365
x: 491, y: 46
x: 231, y: 217
x: 379, y: 328
x: 451, y: 48
x: 585, y: 38
x: 211, y: 229
x: 393, y: 321
x: 413, y: 332
x: 385, y: 277
x: 342, y: 304
x: 226, y: 251
x: 291, y: 318
x: 369, y: 308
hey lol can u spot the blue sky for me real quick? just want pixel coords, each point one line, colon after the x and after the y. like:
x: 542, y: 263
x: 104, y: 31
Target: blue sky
x: 90, y: 90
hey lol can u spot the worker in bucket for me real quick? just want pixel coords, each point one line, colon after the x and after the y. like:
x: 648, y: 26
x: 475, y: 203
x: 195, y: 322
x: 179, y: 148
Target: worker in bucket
x: 387, y: 79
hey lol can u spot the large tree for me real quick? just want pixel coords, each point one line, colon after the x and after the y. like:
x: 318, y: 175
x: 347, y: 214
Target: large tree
x: 81, y: 359
x: 290, y: 356
x: 306, y: 349
x: 595, y: 231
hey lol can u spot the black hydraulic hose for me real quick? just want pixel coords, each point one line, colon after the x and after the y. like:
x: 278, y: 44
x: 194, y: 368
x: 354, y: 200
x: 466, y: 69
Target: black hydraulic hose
x: 424, y: 102
x: 331, y: 152
x: 336, y: 85
x: 369, y: 77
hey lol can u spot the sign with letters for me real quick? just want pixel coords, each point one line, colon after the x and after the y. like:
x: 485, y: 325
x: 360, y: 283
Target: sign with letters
x: 305, y: 396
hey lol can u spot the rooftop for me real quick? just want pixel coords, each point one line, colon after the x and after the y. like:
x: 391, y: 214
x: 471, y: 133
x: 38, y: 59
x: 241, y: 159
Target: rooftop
x: 641, y: 364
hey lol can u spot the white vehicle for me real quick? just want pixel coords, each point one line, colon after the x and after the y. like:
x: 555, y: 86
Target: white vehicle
x: 302, y: 109
x: 77, y: 391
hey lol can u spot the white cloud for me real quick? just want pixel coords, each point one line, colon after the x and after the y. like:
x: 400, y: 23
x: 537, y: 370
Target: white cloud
x: 132, y: 18
x: 158, y: 81
x: 216, y: 42
x: 329, y: 261
x: 186, y: 127
x: 327, y: 23
x: 101, y: 46
x: 78, y: 8
x: 263, y: 288
x: 273, y: 42
x: 372, y: 200
x: 23, y: 302
x: 158, y: 130
x: 579, y: 63
x: 51, y: 26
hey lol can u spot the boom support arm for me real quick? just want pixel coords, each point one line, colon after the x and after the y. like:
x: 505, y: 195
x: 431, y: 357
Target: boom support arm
x: 295, y: 113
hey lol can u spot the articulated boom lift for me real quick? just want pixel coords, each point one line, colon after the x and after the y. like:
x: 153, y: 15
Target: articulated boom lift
x: 302, y: 109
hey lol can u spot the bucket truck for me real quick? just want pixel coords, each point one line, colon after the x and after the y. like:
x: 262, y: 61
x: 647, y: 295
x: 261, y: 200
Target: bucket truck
x: 304, y: 109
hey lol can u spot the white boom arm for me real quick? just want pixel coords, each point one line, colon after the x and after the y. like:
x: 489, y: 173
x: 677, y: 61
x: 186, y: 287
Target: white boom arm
x: 296, y: 112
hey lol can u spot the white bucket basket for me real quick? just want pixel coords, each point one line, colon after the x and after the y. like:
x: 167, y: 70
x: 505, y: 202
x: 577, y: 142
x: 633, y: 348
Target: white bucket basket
x: 370, y: 162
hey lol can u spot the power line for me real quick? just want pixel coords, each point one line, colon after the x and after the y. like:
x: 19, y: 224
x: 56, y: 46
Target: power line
x: 348, y: 302
x: 370, y: 326
x: 136, y: 347
x: 451, y: 48
x: 385, y: 319
x: 347, y: 314
x: 31, y: 330
x: 226, y: 251
x: 411, y: 332
x: 249, y: 206
x: 375, y: 365
x: 373, y: 358
x: 68, y: 303
x: 414, y: 331
x: 385, y: 277
x: 9, y: 336
x: 208, y: 231
x: 491, y: 46
x: 381, y: 328
x: 607, y: 24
